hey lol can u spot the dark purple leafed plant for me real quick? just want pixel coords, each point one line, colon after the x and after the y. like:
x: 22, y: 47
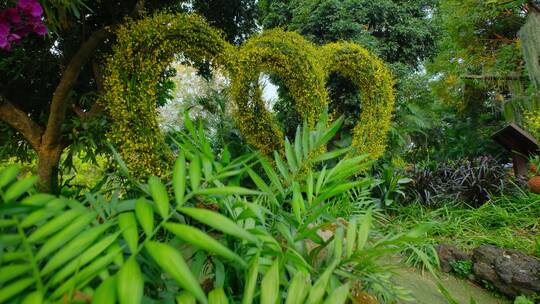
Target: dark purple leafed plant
x: 17, y: 22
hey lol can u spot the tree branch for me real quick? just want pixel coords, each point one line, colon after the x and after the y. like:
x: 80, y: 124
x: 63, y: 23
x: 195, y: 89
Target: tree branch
x: 21, y: 122
x: 61, y: 100
x: 69, y: 78
x: 493, y: 77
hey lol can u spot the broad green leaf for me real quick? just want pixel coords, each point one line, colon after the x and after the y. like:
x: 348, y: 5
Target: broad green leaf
x: 259, y: 182
x: 185, y: 298
x: 298, y: 146
x: 227, y: 190
x: 305, y: 139
x: 309, y: 187
x: 339, y: 295
x: 7, y: 223
x: 351, y: 236
x: 272, y: 175
x: 12, y: 271
x: 35, y: 297
x: 217, y: 296
x: 73, y: 248
x: 130, y: 282
x: 145, y: 215
x: 251, y: 280
x: 320, y: 180
x: 195, y: 173
x: 13, y: 256
x: 363, y: 232
x: 88, y: 272
x: 338, y: 244
x: 106, y: 292
x: 8, y: 175
x: 128, y: 225
x: 65, y: 235
x: 172, y: 262
x: 159, y: 195
x: 121, y: 163
x: 297, y: 202
x: 10, y: 239
x: 298, y: 289
x: 19, y: 188
x: 219, y: 222
x: 290, y: 155
x: 331, y: 154
x: 202, y: 240
x: 87, y: 256
x: 54, y: 225
x: 329, y: 132
x: 37, y: 216
x: 270, y: 284
x: 281, y: 166
x: 14, y: 289
x: 38, y: 199
x: 179, y: 179
x: 319, y: 288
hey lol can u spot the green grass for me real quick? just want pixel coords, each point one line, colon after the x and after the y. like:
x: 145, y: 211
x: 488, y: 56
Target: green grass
x: 506, y: 221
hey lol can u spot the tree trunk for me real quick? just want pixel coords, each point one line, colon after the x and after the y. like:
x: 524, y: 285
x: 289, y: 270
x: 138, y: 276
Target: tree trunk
x: 48, y: 161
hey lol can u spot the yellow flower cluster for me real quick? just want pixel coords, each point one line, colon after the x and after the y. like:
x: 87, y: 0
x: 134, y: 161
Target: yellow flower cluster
x: 294, y: 60
x: 532, y: 122
x: 304, y: 70
x: 146, y: 47
x: 376, y: 87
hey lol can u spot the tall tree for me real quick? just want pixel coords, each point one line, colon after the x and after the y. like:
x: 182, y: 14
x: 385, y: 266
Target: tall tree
x: 50, y: 85
x: 399, y: 31
x: 403, y: 33
x: 480, y: 59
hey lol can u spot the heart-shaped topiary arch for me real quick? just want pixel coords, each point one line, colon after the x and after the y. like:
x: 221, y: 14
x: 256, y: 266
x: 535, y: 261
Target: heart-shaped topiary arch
x: 295, y: 60
x: 146, y: 47
x: 376, y: 85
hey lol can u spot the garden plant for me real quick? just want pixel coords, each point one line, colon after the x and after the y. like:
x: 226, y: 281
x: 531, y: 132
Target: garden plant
x: 269, y: 151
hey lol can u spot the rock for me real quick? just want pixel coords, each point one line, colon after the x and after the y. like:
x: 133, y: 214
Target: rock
x: 512, y: 272
x: 449, y: 254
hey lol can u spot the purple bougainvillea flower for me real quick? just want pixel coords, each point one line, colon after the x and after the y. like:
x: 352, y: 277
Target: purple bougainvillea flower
x: 13, y: 16
x: 36, y: 10
x: 4, y: 30
x: 24, y: 4
x: 4, y: 44
x: 19, y: 21
x: 14, y: 38
x: 23, y: 30
x: 40, y: 29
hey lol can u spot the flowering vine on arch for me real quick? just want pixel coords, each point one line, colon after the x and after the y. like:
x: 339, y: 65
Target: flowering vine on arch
x: 147, y: 47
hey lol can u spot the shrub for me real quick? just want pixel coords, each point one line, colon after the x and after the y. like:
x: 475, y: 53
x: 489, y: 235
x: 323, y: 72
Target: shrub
x: 212, y: 240
x: 472, y: 182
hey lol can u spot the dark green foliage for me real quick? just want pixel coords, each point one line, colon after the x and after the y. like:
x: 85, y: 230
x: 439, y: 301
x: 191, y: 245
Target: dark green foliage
x: 471, y: 182
x: 211, y: 239
x: 235, y: 18
x: 508, y: 221
x: 398, y: 31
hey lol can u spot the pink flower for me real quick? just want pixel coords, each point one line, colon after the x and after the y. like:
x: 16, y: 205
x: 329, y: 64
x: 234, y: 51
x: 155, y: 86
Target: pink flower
x: 13, y: 16
x: 40, y: 29
x: 4, y: 30
x: 17, y: 22
x: 25, y: 3
x: 36, y: 10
